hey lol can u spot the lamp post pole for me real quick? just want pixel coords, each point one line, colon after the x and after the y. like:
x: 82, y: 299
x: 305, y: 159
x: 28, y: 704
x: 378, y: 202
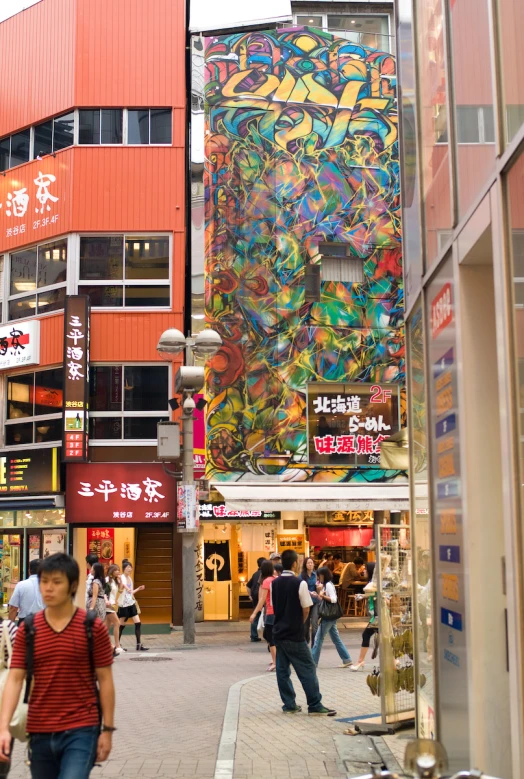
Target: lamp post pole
x: 188, y: 538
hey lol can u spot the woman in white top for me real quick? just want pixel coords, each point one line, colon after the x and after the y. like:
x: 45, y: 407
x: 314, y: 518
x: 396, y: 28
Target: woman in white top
x: 326, y: 591
x: 127, y: 607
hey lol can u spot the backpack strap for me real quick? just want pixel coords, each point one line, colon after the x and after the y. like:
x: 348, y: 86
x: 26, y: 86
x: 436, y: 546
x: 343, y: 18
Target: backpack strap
x: 29, y: 627
x: 89, y: 623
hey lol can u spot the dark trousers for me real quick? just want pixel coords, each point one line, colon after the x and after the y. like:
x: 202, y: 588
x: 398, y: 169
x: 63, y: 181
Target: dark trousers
x: 69, y: 754
x: 297, y: 655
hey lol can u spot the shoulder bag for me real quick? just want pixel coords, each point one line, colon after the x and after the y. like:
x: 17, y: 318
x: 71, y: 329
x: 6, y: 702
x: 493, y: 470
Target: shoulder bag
x: 329, y: 611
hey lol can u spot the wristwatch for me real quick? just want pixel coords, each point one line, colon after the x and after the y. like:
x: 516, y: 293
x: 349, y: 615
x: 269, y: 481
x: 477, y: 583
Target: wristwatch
x: 108, y: 729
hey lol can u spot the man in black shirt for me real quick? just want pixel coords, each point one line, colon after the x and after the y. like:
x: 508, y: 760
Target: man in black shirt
x: 291, y: 601
x: 253, y: 587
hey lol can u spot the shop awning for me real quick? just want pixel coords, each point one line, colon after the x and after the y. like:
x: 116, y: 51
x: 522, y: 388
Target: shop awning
x: 317, y: 497
x: 9, y: 502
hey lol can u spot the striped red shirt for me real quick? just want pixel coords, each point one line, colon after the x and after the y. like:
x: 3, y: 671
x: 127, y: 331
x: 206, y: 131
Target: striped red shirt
x: 63, y: 695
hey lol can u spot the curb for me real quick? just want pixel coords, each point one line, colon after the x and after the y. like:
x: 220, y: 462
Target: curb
x: 225, y: 761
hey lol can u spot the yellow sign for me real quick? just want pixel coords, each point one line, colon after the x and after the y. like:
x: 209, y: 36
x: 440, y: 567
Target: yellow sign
x: 291, y: 542
x: 450, y: 587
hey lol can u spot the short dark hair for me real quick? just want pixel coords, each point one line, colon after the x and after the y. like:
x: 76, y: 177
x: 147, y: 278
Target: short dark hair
x: 33, y: 567
x: 326, y: 574
x: 358, y: 561
x: 337, y: 557
x: 266, y: 569
x: 260, y: 561
x: 91, y: 559
x: 98, y: 571
x: 63, y: 563
x: 288, y: 557
x: 125, y: 562
x: 278, y: 568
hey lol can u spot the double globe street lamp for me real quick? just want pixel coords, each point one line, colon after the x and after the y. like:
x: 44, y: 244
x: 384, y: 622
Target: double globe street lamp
x: 188, y: 381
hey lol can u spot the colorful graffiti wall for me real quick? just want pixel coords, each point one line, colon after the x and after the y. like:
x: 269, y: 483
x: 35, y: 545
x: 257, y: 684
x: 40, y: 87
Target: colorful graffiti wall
x: 301, y: 149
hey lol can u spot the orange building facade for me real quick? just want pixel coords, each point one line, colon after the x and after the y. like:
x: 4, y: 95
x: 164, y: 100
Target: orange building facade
x: 92, y: 202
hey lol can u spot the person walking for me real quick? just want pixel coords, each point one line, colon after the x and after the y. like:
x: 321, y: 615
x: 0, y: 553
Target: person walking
x: 310, y: 577
x: 116, y: 588
x: 326, y: 591
x: 97, y: 593
x: 253, y: 586
x: 26, y: 598
x: 128, y: 609
x: 291, y: 602
x: 11, y: 628
x: 91, y: 559
x: 267, y: 574
x: 71, y: 708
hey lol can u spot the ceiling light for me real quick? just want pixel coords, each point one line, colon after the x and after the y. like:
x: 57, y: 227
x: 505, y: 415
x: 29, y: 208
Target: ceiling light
x: 48, y: 255
x: 25, y: 286
x: 353, y: 21
x: 56, y: 254
x: 146, y: 246
x: 136, y: 247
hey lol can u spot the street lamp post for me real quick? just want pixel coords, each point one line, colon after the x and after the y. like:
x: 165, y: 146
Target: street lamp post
x: 189, y: 379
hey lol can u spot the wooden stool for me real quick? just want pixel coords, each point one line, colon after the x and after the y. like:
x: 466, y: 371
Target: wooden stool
x: 351, y: 606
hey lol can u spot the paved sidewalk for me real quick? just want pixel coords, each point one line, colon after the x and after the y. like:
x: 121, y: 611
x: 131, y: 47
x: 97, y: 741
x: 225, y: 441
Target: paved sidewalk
x: 171, y: 706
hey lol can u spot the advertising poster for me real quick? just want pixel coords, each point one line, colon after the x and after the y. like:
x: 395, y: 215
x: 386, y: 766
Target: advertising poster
x: 101, y: 541
x: 34, y: 547
x: 348, y: 422
x: 52, y: 543
x: 291, y: 542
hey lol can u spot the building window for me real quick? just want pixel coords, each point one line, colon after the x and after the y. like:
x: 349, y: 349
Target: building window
x: 56, y: 134
x: 475, y: 124
x: 129, y: 271
x: 15, y: 149
x: 149, y: 126
x: 127, y: 401
x: 100, y: 126
x: 37, y: 279
x: 34, y: 408
x: 310, y: 20
x: 367, y: 30
x: 339, y: 265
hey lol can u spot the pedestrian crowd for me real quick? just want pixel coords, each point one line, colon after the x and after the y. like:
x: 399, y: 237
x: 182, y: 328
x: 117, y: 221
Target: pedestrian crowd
x: 296, y: 611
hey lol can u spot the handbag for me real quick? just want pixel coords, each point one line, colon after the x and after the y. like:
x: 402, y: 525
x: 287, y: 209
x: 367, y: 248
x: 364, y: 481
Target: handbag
x: 18, y: 726
x: 329, y: 611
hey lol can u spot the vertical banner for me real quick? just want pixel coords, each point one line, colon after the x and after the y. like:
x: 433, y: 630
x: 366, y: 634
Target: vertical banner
x: 101, y: 541
x: 199, y: 577
x: 76, y: 379
x: 199, y: 440
x: 188, y: 515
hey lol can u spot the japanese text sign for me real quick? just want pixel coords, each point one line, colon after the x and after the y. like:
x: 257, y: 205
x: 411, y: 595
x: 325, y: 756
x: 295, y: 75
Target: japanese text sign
x: 20, y: 344
x: 76, y: 378
x: 31, y: 472
x: 30, y: 201
x: 348, y: 422
x: 101, y: 541
x: 220, y: 511
x: 119, y: 493
x: 187, y: 508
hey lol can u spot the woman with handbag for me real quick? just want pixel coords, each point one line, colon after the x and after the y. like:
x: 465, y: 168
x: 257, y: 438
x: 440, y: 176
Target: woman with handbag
x: 329, y: 612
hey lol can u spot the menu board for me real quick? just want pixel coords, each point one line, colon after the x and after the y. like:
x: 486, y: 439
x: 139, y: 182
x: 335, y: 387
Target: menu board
x: 448, y: 520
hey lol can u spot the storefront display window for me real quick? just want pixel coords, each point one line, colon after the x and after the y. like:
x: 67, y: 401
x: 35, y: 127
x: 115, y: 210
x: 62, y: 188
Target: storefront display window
x: 434, y: 114
x: 473, y: 94
x: 37, y: 397
x: 511, y: 22
x: 422, y: 553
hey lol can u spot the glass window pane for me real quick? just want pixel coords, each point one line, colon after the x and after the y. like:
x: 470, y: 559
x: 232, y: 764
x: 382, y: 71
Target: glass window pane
x: 142, y: 428
x: 89, y: 126
x: 20, y: 396
x: 18, y: 309
x: 48, y: 430
x: 106, y: 428
x: 111, y: 125
x: 489, y: 124
x: 20, y: 147
x: 147, y: 296
x: 470, y: 33
x: 52, y: 263
x: 48, y: 391
x: 53, y: 300
x: 64, y: 129
x: 145, y: 388
x: 43, y: 139
x: 309, y: 20
x: 19, y: 434
x: 5, y: 145
x: 138, y: 126
x: 433, y: 114
x: 147, y: 258
x: 23, y: 271
x: 105, y: 388
x: 102, y: 257
x: 511, y: 24
x: 161, y: 125
x: 103, y: 296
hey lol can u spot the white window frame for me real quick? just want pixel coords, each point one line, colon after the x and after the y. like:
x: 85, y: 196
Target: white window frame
x: 135, y: 282
x: 142, y: 145
x: 480, y: 124
x: 26, y: 420
x: 7, y: 297
x: 97, y: 145
x: 122, y: 414
x: 325, y: 26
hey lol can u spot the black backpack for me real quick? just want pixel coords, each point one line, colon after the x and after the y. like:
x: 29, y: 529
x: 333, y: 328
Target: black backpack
x: 30, y: 632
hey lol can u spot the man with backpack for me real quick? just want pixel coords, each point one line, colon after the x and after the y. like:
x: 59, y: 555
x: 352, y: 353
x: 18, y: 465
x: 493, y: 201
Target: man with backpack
x: 67, y: 655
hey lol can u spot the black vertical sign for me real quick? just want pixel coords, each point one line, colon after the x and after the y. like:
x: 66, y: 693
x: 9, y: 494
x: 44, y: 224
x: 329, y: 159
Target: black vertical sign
x: 76, y: 379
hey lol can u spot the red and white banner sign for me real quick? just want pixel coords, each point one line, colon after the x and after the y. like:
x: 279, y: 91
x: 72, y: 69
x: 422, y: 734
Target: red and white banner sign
x: 441, y: 311
x: 119, y: 493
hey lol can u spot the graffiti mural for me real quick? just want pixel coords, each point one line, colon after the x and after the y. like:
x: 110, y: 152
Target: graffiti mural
x: 301, y: 150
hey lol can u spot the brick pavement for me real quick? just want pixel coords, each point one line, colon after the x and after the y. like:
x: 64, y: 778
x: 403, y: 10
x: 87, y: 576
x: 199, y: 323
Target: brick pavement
x: 170, y: 710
